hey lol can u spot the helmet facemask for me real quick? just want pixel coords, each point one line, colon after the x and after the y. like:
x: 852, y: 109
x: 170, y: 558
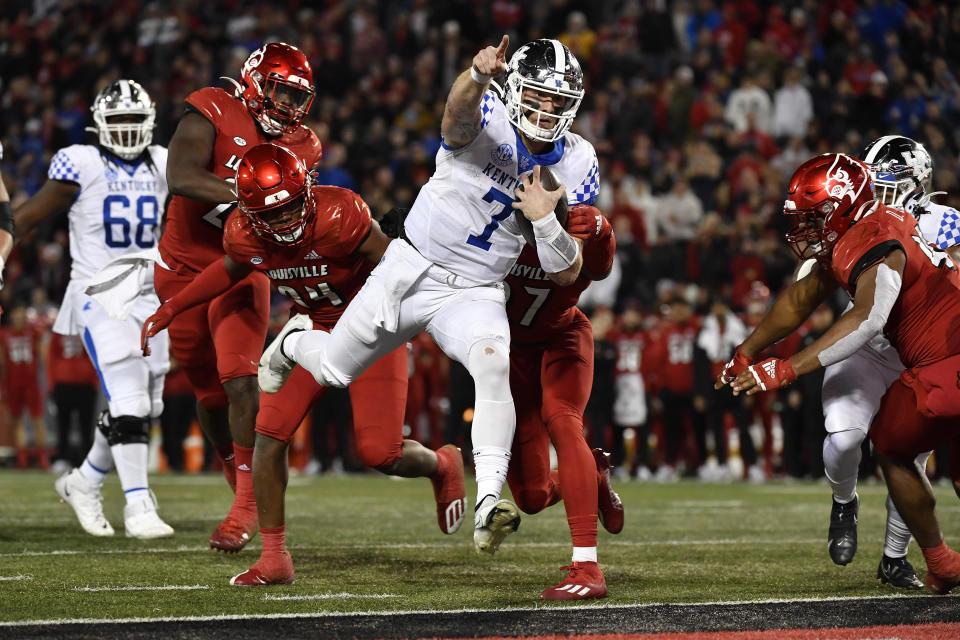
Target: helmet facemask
x: 282, y: 223
x: 285, y: 104
x: 526, y: 115
x: 124, y: 117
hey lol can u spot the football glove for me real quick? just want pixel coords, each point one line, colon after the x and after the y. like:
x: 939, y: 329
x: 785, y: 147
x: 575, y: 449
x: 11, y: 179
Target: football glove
x: 772, y: 373
x: 737, y: 365
x: 153, y: 325
x: 586, y: 222
x: 392, y: 222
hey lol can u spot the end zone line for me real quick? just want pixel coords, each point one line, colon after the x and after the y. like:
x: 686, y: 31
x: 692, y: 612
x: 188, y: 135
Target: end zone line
x: 419, y: 612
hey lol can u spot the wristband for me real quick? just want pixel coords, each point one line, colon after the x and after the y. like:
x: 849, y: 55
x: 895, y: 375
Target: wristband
x: 479, y: 78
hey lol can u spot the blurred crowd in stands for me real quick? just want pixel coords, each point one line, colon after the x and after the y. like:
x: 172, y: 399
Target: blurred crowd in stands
x: 699, y: 112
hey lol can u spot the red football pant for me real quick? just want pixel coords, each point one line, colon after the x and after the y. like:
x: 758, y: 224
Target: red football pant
x: 551, y: 384
x: 377, y: 396
x: 220, y: 340
x: 919, y: 412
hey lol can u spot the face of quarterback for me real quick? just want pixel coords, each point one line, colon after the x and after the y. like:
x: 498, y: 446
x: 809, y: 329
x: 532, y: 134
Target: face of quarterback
x: 541, y: 105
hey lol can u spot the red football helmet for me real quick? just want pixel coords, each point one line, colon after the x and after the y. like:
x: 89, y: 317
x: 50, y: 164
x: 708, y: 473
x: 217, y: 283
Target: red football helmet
x: 276, y: 83
x: 273, y: 189
x: 826, y: 195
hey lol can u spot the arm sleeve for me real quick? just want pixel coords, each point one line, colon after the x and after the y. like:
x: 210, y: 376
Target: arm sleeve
x: 65, y: 167
x: 208, y: 284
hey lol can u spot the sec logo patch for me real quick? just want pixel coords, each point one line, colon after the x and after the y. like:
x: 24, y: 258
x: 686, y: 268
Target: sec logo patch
x: 256, y: 260
x: 240, y: 141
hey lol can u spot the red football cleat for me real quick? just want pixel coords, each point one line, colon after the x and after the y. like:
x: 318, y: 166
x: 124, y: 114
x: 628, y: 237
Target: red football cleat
x: 585, y: 581
x: 231, y: 535
x: 448, y: 489
x: 609, y: 506
x: 277, y: 569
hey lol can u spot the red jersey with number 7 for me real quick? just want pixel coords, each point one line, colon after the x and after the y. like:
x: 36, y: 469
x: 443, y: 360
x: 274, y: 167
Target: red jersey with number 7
x: 537, y: 307
x: 323, y: 272
x: 192, y: 233
x: 923, y: 322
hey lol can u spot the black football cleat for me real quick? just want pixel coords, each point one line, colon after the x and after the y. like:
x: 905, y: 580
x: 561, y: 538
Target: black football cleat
x: 899, y: 573
x: 842, y: 535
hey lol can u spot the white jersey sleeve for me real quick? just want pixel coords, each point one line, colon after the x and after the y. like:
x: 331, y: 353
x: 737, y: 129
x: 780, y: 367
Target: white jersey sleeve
x: 463, y: 218
x: 940, y: 225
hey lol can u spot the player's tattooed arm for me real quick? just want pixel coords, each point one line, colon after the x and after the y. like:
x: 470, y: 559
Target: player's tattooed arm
x: 375, y: 244
x: 189, y: 155
x: 789, y: 310
x: 461, y: 116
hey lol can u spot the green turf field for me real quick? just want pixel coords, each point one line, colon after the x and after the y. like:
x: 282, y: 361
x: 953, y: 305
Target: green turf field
x: 371, y: 543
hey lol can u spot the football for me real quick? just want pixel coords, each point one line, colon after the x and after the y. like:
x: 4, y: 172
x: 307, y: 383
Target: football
x: 549, y: 183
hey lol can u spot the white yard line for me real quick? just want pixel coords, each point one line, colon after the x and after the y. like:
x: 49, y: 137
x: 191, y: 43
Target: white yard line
x: 416, y: 612
x: 423, y: 545
x: 130, y: 587
x: 15, y: 578
x: 333, y: 596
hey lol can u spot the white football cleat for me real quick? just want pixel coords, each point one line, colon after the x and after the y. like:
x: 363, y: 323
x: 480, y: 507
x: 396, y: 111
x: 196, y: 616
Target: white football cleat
x: 86, y: 500
x: 141, y: 520
x: 494, y: 522
x: 274, y: 367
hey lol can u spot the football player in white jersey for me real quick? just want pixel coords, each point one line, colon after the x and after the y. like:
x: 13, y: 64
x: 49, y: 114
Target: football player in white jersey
x: 114, y: 192
x: 461, y: 239
x: 852, y: 388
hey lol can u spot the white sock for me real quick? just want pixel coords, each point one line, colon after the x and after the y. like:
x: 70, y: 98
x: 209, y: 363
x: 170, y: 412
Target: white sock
x: 584, y: 554
x: 841, y: 463
x: 131, y: 461
x: 98, y: 462
x: 898, y: 534
x: 491, y: 468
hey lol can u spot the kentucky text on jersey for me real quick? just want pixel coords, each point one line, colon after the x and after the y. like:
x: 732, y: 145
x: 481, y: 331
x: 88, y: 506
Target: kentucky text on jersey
x: 292, y: 273
x: 120, y: 186
x: 528, y: 272
x: 500, y: 176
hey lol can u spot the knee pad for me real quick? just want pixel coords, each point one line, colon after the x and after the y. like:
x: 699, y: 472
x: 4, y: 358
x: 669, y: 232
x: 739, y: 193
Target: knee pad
x: 489, y: 365
x: 124, y: 429
x: 844, y: 441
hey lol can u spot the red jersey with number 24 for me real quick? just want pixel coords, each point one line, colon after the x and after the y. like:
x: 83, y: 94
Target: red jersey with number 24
x: 923, y: 322
x: 537, y: 307
x: 192, y: 234
x: 323, y: 272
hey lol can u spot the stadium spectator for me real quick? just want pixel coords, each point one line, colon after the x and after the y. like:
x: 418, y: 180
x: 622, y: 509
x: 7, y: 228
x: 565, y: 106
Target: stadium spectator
x: 73, y: 384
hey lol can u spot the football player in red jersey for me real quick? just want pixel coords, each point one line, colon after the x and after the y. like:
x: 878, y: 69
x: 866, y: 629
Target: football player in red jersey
x: 551, y: 373
x: 318, y: 244
x: 900, y: 285
x: 219, y: 343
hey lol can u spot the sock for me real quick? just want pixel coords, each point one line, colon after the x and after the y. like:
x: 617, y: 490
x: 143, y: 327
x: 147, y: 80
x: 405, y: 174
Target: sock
x: 942, y: 560
x: 227, y: 459
x: 584, y: 554
x: 131, y: 463
x: 274, y: 541
x: 491, y: 468
x: 578, y: 478
x: 98, y: 462
x: 244, y: 503
x: 898, y: 535
x: 841, y: 461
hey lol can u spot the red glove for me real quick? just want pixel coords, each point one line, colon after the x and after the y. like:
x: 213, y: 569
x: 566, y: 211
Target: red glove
x: 737, y: 365
x: 773, y: 373
x: 587, y: 223
x: 153, y: 325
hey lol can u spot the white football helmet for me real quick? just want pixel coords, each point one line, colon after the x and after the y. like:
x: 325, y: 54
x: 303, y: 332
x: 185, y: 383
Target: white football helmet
x: 124, y: 117
x: 900, y: 167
